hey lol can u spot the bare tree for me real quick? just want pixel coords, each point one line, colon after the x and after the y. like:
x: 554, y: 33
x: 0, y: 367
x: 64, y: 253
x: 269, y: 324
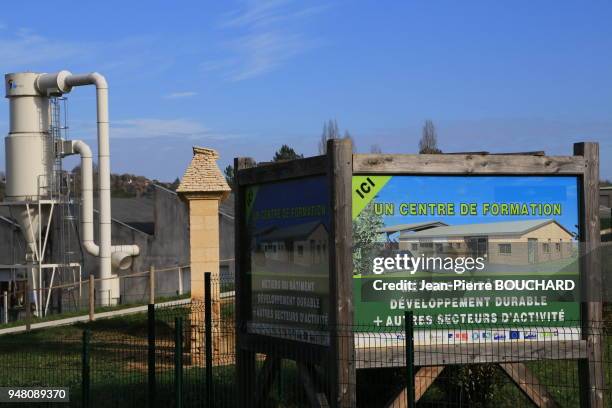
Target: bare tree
x: 347, y: 135
x: 331, y: 131
x: 429, y: 139
x: 375, y: 149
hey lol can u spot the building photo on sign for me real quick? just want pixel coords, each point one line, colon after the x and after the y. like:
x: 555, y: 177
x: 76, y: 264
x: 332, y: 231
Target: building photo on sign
x: 459, y: 250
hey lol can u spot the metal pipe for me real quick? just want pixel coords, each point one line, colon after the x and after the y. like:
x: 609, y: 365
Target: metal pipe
x: 104, y: 254
x: 87, y: 227
x: 119, y: 255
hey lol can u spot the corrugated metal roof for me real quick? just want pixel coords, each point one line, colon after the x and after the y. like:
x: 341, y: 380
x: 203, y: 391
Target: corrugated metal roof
x: 494, y: 228
x: 415, y: 226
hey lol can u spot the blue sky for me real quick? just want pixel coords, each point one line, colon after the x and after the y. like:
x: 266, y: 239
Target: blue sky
x: 244, y: 77
x: 481, y: 189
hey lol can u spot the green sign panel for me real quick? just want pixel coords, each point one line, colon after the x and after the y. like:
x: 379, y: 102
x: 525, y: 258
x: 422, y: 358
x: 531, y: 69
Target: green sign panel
x: 492, y: 252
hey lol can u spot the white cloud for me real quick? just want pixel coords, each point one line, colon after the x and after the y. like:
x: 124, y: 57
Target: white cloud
x: 178, y: 95
x: 259, y: 13
x: 263, y: 52
x: 23, y: 48
x: 218, y: 65
x: 150, y: 127
x: 268, y: 35
x: 147, y: 128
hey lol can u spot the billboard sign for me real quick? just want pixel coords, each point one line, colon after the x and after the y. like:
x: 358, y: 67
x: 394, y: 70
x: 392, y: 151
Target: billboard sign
x: 466, y: 250
x: 288, y: 230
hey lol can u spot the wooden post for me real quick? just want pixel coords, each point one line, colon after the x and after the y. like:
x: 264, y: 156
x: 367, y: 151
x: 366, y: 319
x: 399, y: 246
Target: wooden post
x: 245, y: 359
x: 152, y: 382
x: 27, y: 305
x: 5, y: 306
x: 529, y: 384
x: 85, y: 370
x: 267, y: 375
x: 92, y: 299
x: 422, y: 381
x: 592, y: 373
x: 178, y: 362
x: 316, y: 399
x: 152, y: 285
x: 180, y: 280
x: 409, y: 350
x: 342, y: 372
x: 208, y: 339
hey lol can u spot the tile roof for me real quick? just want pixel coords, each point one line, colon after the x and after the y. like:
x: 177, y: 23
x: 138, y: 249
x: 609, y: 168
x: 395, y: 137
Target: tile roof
x: 495, y: 228
x: 203, y: 175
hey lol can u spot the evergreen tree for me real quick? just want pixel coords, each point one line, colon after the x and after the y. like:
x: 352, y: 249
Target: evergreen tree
x: 286, y: 153
x: 229, y: 175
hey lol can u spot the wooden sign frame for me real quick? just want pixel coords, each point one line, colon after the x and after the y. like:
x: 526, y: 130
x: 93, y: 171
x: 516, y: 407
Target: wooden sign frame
x: 336, y: 361
x: 341, y: 360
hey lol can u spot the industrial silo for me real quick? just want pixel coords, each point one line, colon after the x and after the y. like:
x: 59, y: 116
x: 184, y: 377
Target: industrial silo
x: 33, y: 187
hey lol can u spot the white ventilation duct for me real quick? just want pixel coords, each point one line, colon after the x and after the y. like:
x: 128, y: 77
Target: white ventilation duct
x: 30, y: 156
x: 119, y: 253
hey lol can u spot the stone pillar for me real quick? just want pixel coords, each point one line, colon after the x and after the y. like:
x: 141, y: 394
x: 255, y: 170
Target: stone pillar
x: 203, y: 187
x: 204, y: 244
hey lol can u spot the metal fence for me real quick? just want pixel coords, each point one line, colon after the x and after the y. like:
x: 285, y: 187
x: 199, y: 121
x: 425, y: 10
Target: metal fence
x: 183, y: 355
x: 73, y: 299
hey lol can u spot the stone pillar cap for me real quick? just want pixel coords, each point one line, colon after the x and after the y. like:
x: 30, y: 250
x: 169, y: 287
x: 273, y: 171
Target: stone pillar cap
x: 203, y: 176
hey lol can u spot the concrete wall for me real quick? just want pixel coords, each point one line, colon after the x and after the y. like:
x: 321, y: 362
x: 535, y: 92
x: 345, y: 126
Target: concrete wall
x: 226, y: 249
x: 168, y: 246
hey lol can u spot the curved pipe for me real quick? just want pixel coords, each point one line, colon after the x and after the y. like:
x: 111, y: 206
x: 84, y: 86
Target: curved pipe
x: 87, y: 226
x: 62, y: 82
x: 104, y: 252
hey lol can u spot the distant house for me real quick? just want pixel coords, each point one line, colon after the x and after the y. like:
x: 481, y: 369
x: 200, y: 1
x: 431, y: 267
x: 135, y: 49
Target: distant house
x: 508, y: 243
x: 302, y: 244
